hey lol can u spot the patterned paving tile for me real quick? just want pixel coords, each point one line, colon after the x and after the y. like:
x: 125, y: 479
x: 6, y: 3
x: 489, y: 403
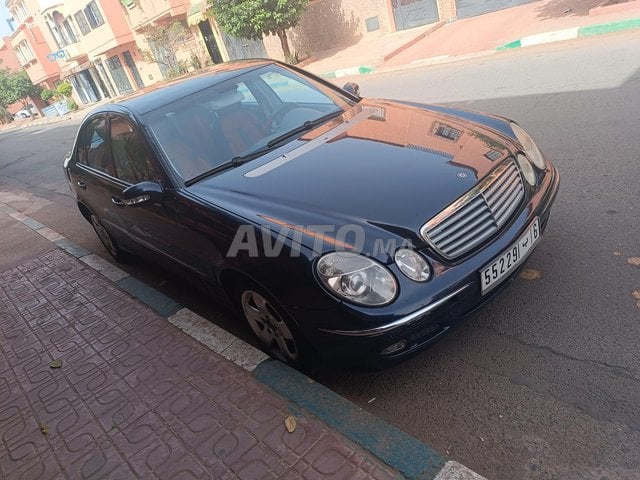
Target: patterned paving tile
x: 135, y: 397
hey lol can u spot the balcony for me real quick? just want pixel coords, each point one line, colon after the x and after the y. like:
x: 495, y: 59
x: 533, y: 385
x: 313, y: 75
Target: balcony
x: 145, y: 12
x: 74, y: 52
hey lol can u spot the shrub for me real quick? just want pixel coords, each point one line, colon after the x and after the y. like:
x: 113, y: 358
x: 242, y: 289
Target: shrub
x: 71, y: 104
x: 65, y: 89
x: 47, y: 94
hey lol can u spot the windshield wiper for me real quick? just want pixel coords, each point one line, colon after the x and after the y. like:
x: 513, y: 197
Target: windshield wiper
x: 241, y: 159
x: 308, y: 125
x: 208, y: 173
x: 234, y: 162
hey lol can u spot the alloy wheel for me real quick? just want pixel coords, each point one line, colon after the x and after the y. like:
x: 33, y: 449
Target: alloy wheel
x: 269, y: 327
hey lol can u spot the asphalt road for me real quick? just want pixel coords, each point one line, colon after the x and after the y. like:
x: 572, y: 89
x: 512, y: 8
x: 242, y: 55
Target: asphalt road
x: 543, y: 383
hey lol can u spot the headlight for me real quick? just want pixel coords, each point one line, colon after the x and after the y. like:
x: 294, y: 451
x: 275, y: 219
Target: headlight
x: 357, y: 278
x: 529, y: 146
x: 413, y: 265
x: 527, y: 169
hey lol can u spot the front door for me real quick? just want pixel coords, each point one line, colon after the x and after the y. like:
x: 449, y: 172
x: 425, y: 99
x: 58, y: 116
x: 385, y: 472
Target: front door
x: 110, y: 157
x: 413, y: 13
x: 133, y: 69
x: 239, y: 48
x: 119, y: 76
x: 150, y: 227
x: 210, y: 41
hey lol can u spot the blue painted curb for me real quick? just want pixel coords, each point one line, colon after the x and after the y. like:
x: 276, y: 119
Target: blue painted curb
x: 71, y: 248
x: 412, y: 458
x: 148, y: 295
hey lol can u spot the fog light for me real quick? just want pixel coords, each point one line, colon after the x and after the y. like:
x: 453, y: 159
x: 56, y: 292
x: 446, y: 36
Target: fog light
x: 396, y: 347
x: 412, y: 265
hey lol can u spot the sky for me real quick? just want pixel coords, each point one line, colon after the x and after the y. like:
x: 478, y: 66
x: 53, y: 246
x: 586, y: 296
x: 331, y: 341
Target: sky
x: 4, y: 14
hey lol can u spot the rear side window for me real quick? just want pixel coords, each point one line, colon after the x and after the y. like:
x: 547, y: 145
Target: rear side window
x: 131, y: 161
x: 93, y: 147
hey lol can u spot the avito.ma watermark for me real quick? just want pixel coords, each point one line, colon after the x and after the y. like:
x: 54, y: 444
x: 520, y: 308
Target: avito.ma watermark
x: 349, y: 238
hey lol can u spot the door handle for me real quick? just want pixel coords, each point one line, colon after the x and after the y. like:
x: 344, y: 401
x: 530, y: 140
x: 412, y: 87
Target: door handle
x: 81, y: 184
x: 117, y: 202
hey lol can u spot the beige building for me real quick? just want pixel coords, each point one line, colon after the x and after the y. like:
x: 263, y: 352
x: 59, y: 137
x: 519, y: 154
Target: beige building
x: 329, y: 24
x: 30, y: 42
x: 102, y: 46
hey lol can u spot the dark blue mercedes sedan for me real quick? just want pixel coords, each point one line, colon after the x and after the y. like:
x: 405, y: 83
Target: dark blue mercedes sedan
x: 344, y: 228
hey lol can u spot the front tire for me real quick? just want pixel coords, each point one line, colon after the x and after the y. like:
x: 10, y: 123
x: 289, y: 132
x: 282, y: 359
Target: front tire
x: 278, y: 336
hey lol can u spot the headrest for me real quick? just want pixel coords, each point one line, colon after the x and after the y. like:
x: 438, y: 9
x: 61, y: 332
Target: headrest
x: 225, y: 99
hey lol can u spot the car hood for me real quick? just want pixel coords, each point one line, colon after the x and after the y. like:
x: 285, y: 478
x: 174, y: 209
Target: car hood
x: 382, y: 165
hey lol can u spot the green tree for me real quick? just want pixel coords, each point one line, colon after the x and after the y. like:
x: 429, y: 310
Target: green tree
x: 5, y: 89
x: 16, y: 87
x: 255, y: 18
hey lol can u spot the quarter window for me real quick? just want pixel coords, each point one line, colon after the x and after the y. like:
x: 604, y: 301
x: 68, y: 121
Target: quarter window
x: 131, y: 162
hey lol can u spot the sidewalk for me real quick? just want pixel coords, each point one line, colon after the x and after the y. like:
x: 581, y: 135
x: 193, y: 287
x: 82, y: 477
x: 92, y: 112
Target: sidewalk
x: 530, y: 24
x: 96, y: 384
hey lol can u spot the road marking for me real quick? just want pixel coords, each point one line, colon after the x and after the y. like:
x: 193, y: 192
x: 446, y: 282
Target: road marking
x: 49, y: 234
x: 104, y: 267
x: 548, y: 37
x: 218, y: 339
x: 455, y: 471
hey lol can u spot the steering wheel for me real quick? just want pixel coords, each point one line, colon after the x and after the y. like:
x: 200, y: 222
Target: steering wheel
x: 277, y: 116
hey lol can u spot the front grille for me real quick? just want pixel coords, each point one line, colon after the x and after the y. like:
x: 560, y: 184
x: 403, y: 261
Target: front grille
x: 477, y: 215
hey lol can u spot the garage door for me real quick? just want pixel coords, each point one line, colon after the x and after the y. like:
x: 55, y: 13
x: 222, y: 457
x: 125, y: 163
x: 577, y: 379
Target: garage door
x: 413, y: 13
x: 469, y: 8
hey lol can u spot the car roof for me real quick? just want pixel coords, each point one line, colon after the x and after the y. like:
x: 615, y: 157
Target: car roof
x: 163, y: 93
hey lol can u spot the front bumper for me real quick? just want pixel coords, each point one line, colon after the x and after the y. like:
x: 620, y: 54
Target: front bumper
x: 458, y: 294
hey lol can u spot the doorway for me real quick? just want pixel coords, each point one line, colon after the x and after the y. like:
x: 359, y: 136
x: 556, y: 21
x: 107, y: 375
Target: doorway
x: 210, y: 41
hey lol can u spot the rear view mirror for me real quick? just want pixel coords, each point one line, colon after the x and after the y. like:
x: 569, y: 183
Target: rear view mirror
x: 143, y: 192
x: 352, y: 87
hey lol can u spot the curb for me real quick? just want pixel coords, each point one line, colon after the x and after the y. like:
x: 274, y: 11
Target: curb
x: 571, y: 34
x: 413, y: 459
x: 528, y: 41
x: 36, y: 123
x: 348, y: 72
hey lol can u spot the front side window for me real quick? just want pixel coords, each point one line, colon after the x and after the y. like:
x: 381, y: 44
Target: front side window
x: 92, y: 150
x: 291, y: 90
x: 131, y: 161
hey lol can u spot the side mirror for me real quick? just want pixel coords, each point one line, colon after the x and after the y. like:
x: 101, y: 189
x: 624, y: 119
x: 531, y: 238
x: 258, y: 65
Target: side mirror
x: 143, y: 192
x: 353, y: 88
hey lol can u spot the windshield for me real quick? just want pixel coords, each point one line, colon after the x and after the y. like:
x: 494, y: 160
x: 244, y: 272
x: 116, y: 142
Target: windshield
x: 232, y: 119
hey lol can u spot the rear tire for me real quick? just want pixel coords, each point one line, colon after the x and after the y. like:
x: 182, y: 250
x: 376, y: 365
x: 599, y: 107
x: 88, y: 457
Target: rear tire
x: 107, y: 240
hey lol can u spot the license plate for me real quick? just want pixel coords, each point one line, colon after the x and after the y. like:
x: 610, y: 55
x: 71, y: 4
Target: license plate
x: 500, y: 268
